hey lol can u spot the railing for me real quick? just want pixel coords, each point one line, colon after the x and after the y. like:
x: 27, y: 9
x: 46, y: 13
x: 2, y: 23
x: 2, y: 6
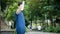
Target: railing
x: 7, y: 31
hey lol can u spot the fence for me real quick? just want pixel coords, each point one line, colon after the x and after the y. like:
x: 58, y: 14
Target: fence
x: 7, y: 31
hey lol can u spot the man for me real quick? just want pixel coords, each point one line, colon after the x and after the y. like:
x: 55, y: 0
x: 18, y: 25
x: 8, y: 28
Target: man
x: 20, y: 21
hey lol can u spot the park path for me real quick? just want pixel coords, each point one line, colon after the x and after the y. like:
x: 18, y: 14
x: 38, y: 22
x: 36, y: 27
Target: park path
x: 40, y: 33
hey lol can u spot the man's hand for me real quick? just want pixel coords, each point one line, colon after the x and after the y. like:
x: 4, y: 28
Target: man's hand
x: 18, y: 11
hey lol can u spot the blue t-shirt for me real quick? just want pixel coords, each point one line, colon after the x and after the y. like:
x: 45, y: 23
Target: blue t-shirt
x: 20, y: 23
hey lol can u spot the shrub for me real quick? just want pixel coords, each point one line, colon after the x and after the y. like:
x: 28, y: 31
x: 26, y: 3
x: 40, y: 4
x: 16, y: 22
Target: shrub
x: 52, y: 29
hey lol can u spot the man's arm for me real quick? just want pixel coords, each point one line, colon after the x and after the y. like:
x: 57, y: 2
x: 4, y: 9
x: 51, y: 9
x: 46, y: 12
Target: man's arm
x: 23, y: 5
x: 21, y: 8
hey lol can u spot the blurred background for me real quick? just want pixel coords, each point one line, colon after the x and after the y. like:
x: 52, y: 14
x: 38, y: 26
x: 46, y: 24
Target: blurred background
x: 40, y: 15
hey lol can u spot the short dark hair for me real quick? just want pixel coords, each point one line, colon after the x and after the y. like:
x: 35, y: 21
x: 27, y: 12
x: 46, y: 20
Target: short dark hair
x: 19, y: 3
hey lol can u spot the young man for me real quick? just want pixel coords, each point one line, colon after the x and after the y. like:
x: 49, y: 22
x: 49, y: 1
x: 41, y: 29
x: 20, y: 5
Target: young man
x: 20, y: 21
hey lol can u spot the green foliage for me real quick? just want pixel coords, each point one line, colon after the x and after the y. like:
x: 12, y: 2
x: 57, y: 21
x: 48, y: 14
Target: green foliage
x: 52, y: 29
x: 57, y: 29
x: 34, y: 9
x: 15, y: 32
x: 11, y: 10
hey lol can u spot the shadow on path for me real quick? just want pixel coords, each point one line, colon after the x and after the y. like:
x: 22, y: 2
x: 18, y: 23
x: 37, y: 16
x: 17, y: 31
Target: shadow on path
x: 37, y: 32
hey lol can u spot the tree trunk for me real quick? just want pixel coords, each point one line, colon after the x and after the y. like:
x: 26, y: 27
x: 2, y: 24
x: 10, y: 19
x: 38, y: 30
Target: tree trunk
x: 31, y: 25
x: 36, y: 22
x: 51, y: 18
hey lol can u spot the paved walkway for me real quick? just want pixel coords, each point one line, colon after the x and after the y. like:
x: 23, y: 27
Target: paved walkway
x: 40, y: 33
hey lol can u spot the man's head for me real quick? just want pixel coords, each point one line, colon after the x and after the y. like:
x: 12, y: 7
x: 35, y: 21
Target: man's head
x: 19, y: 3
